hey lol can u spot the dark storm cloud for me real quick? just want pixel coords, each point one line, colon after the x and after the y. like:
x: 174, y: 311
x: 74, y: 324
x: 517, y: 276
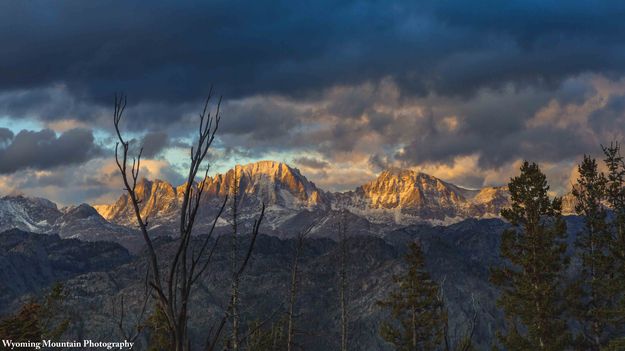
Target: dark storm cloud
x: 330, y: 77
x: 261, y: 119
x: 43, y: 150
x: 170, y: 51
x: 538, y: 144
x: 5, y: 136
x: 611, y: 117
x: 497, y: 129
x: 491, y: 125
x: 153, y: 143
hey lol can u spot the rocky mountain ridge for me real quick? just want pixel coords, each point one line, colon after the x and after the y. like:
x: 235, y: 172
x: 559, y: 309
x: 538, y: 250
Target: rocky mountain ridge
x: 76, y: 222
x: 405, y: 196
x: 395, y: 197
x: 276, y: 184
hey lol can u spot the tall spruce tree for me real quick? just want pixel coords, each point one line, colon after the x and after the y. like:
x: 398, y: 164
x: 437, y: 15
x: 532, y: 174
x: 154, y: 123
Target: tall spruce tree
x: 418, y: 318
x: 593, y: 295
x: 531, y: 280
x: 616, y: 199
x: 615, y: 195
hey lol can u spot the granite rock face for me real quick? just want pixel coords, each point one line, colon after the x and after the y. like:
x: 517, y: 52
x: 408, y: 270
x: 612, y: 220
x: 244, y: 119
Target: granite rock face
x: 30, y: 262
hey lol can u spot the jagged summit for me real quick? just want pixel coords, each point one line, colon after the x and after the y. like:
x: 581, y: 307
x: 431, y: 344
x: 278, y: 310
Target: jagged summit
x: 406, y: 196
x: 81, y: 211
x: 407, y: 188
x: 267, y: 167
x: 274, y: 183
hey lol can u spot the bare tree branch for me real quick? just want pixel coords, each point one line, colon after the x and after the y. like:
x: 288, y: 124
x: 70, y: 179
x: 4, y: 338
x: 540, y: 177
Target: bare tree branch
x: 173, y: 291
x: 299, y: 245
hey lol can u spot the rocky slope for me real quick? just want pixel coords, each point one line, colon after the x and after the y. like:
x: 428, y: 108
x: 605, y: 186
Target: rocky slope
x: 30, y: 262
x: 31, y: 214
x: 459, y: 254
x: 98, y: 276
x: 42, y: 216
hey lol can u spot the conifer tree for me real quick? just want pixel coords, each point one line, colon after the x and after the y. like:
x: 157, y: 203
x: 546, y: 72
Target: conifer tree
x: 615, y: 196
x: 158, y: 334
x: 593, y: 298
x: 418, y: 319
x: 615, y: 193
x: 531, y: 280
x: 38, y: 320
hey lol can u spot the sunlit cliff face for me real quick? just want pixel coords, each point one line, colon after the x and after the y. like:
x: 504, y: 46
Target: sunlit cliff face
x: 261, y: 178
x: 397, y: 187
x: 269, y: 182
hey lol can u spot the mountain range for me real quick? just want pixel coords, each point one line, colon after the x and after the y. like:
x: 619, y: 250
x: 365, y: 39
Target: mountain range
x: 395, y: 199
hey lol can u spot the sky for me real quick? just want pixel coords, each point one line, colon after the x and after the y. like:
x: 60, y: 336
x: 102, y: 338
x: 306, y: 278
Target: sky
x: 462, y: 90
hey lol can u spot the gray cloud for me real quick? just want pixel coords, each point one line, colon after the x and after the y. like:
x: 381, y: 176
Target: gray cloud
x: 610, y: 118
x: 6, y: 135
x: 261, y: 119
x: 311, y: 162
x: 44, y: 150
x: 496, y: 125
x: 296, y: 50
x: 153, y: 143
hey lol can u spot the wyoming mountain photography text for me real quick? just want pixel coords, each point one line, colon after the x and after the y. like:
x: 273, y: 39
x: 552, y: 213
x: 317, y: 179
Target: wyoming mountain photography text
x: 49, y: 344
x: 410, y: 175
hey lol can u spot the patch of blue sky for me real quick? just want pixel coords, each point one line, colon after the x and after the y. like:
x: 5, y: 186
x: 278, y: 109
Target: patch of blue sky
x: 18, y: 124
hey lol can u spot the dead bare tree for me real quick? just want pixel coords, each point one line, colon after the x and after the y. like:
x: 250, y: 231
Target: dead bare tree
x: 234, y: 302
x: 172, y: 289
x: 138, y: 327
x: 342, y: 229
x: 299, y: 245
x: 238, y: 267
x: 465, y: 341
